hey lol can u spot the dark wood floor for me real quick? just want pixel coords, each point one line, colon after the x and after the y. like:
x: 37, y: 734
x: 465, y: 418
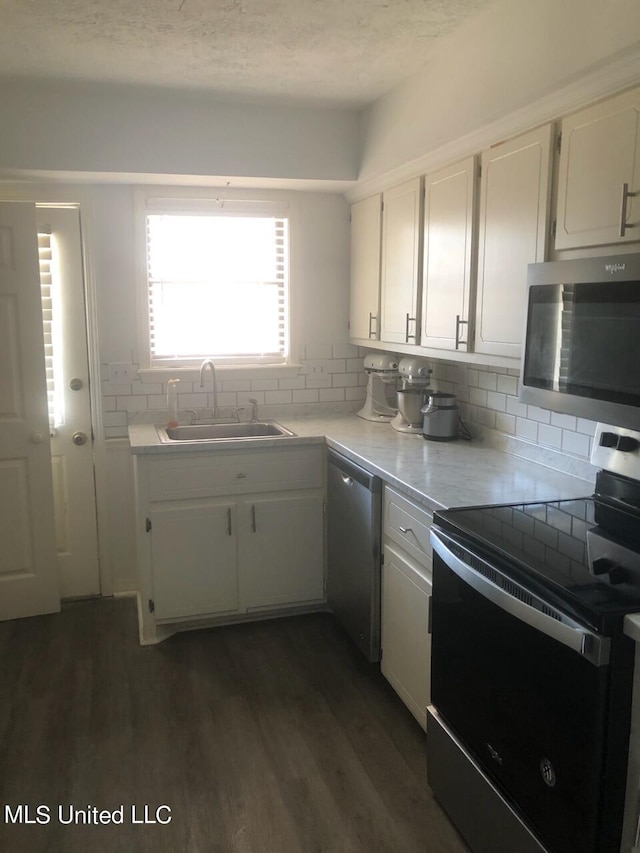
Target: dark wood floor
x: 274, y: 737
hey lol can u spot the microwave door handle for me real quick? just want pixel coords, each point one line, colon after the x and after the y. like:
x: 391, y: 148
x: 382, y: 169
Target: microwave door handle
x: 588, y: 645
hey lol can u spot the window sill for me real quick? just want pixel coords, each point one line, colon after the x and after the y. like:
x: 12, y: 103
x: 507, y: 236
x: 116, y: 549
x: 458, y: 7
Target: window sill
x: 237, y: 371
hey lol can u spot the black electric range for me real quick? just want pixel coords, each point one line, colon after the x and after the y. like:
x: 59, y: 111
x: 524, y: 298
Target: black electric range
x: 531, y: 671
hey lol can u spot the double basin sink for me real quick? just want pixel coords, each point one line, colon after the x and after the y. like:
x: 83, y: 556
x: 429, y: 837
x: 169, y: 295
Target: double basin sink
x: 222, y: 432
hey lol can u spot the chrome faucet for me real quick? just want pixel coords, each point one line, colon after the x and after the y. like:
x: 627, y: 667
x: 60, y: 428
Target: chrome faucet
x: 208, y: 363
x: 254, y: 410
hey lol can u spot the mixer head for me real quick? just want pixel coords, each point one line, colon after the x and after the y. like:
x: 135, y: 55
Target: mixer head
x: 415, y: 371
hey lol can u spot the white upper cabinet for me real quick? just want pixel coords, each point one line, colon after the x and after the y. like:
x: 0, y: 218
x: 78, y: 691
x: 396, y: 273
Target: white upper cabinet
x: 401, y: 247
x: 514, y: 207
x: 599, y: 174
x: 366, y: 236
x: 449, y: 201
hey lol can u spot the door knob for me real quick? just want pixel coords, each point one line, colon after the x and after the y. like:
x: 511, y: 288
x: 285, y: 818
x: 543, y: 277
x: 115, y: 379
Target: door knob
x: 37, y: 437
x: 79, y: 438
x: 75, y: 384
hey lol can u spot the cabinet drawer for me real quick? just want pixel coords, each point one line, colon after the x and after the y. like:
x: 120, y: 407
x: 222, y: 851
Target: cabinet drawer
x: 223, y: 473
x: 408, y: 525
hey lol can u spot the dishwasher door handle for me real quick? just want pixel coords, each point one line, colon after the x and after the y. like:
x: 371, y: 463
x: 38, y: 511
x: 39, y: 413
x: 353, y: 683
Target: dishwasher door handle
x: 348, y: 481
x: 560, y: 627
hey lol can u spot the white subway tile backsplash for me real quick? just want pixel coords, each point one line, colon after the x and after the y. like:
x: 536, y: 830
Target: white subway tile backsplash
x: 131, y: 404
x: 111, y: 390
x: 489, y: 381
x: 344, y: 380
x: 478, y: 397
x: 563, y: 421
x: 354, y: 394
x: 308, y: 396
x: 514, y: 407
x: 507, y: 385
x: 291, y: 383
x: 534, y: 413
x: 550, y: 436
x: 575, y: 443
x: 526, y: 429
x: 331, y: 395
x: 273, y: 398
x: 506, y: 423
x: 345, y: 351
x: 191, y: 401
x: 585, y: 426
x: 236, y: 385
x: 496, y: 401
x: 264, y: 384
x: 115, y: 419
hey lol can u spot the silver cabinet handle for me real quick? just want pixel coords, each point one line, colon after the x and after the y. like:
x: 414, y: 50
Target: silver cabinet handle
x: 626, y: 195
x: 405, y: 529
x: 459, y: 323
x: 229, y: 531
x: 409, y: 319
x: 371, y: 318
x: 253, y: 518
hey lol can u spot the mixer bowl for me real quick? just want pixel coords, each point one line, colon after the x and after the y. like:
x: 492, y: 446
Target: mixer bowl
x: 410, y: 402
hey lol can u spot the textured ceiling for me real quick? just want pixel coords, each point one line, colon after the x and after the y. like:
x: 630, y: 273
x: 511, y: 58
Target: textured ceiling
x: 343, y: 52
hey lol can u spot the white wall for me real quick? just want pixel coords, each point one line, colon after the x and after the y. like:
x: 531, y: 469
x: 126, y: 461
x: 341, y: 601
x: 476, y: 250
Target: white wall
x: 511, y: 54
x: 92, y: 128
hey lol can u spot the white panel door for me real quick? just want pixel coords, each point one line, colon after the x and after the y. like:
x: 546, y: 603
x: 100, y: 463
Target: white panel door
x: 366, y: 234
x: 600, y: 155
x: 29, y: 583
x: 514, y: 207
x: 401, y: 247
x: 448, y: 235
x: 194, y: 559
x: 71, y: 440
x: 281, y: 550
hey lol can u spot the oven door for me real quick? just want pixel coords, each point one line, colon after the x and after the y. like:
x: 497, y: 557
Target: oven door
x: 528, y: 696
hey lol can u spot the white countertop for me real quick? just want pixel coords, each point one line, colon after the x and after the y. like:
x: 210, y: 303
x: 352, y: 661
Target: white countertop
x: 436, y: 474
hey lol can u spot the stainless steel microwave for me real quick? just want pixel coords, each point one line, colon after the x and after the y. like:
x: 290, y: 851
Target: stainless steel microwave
x: 581, y: 353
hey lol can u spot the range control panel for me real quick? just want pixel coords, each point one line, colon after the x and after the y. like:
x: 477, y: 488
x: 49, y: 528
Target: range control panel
x: 617, y: 449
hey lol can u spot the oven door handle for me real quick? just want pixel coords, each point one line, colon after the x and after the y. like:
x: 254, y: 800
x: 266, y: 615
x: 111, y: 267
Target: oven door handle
x: 588, y: 645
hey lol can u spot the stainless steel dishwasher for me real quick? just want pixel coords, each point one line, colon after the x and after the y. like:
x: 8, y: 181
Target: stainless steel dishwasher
x: 353, y: 531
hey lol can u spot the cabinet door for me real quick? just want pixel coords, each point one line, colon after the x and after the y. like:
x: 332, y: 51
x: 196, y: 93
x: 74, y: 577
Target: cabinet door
x: 194, y: 559
x: 514, y: 205
x: 366, y: 237
x: 600, y: 153
x: 406, y: 642
x: 448, y: 233
x: 401, y: 239
x: 281, y: 550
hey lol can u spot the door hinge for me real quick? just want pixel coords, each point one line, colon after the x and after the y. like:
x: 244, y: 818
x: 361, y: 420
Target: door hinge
x: 382, y: 559
x: 324, y: 507
x: 152, y: 605
x: 479, y: 170
x: 147, y: 525
x: 553, y: 227
x: 559, y: 142
x: 381, y: 205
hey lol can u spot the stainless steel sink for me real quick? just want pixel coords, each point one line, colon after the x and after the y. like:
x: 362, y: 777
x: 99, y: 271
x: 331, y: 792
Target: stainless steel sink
x: 219, y: 432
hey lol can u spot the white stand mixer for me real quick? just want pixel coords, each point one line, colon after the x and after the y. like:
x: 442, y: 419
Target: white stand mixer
x: 415, y: 378
x: 382, y: 369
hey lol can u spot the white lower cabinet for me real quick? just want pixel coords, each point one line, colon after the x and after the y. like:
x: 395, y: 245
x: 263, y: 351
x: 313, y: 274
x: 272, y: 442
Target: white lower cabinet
x: 406, y: 593
x: 193, y: 558
x: 281, y: 557
x: 222, y: 535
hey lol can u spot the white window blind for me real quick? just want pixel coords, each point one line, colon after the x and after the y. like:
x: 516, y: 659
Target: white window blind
x: 217, y: 285
x: 49, y: 291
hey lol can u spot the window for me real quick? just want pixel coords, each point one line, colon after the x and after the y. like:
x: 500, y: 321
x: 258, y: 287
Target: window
x: 51, y: 328
x: 217, y: 282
